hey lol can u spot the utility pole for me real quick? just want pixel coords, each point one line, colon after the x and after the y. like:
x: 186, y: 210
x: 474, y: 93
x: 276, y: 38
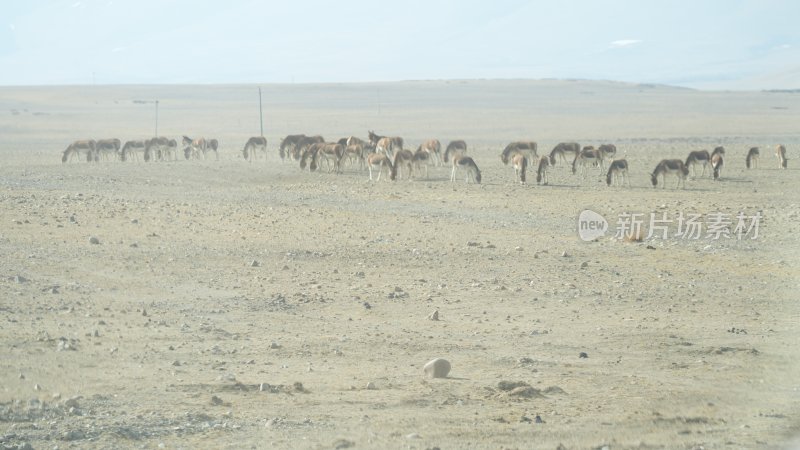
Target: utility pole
x: 156, y: 135
x: 260, y: 112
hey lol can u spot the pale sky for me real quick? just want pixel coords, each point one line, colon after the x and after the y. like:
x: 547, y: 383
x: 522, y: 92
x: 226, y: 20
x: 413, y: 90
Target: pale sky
x: 713, y: 44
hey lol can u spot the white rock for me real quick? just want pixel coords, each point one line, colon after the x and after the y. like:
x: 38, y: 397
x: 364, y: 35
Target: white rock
x: 437, y: 368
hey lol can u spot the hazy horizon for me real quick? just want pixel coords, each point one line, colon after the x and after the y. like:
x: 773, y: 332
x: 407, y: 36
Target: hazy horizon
x: 712, y: 45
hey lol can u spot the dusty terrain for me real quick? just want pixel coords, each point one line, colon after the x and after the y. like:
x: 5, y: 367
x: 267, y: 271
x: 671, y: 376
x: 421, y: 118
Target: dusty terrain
x: 251, y: 305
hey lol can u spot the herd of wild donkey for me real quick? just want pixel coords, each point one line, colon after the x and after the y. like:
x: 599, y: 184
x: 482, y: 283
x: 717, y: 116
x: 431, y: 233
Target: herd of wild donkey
x: 386, y: 154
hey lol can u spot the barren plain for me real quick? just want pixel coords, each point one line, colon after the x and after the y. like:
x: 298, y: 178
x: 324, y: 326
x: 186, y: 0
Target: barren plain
x: 228, y: 304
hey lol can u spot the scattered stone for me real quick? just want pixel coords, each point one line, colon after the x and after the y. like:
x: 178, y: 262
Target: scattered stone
x: 94, y: 240
x: 650, y: 247
x: 518, y: 248
x: 298, y: 387
x: 274, y: 345
x: 134, y: 245
x: 64, y: 345
x: 413, y: 436
x: 538, y: 419
x: 72, y: 435
x: 583, y: 355
x: 229, y: 377
x: 437, y: 368
x: 338, y: 444
x: 20, y: 279
x: 434, y: 315
x: 36, y: 387
x: 519, y: 389
x: 367, y: 305
x: 54, y: 290
x: 511, y: 385
x: 554, y: 390
x: 72, y: 402
x: 134, y: 221
x: 255, y: 263
x: 525, y: 392
x: 371, y: 386
x: 216, y: 400
x: 564, y: 254
x: 584, y: 265
x: 176, y: 363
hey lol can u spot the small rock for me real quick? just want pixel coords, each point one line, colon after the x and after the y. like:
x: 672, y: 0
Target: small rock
x: 94, y: 240
x: 274, y: 345
x: 176, y: 363
x: 437, y: 368
x: 255, y: 263
x: 71, y: 402
x: 20, y: 279
x: 413, y: 436
x: 36, y: 387
x: 434, y: 315
x: 72, y: 435
x: 525, y: 392
x: 538, y: 419
x: 583, y: 355
x: 134, y: 221
x: 564, y: 254
x: 519, y: 249
x: 339, y: 443
x: 511, y: 385
x: 371, y: 386
x: 584, y: 265
x: 216, y: 400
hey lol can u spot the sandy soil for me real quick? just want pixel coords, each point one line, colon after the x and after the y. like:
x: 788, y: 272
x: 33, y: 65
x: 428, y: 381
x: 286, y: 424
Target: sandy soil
x: 233, y: 305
